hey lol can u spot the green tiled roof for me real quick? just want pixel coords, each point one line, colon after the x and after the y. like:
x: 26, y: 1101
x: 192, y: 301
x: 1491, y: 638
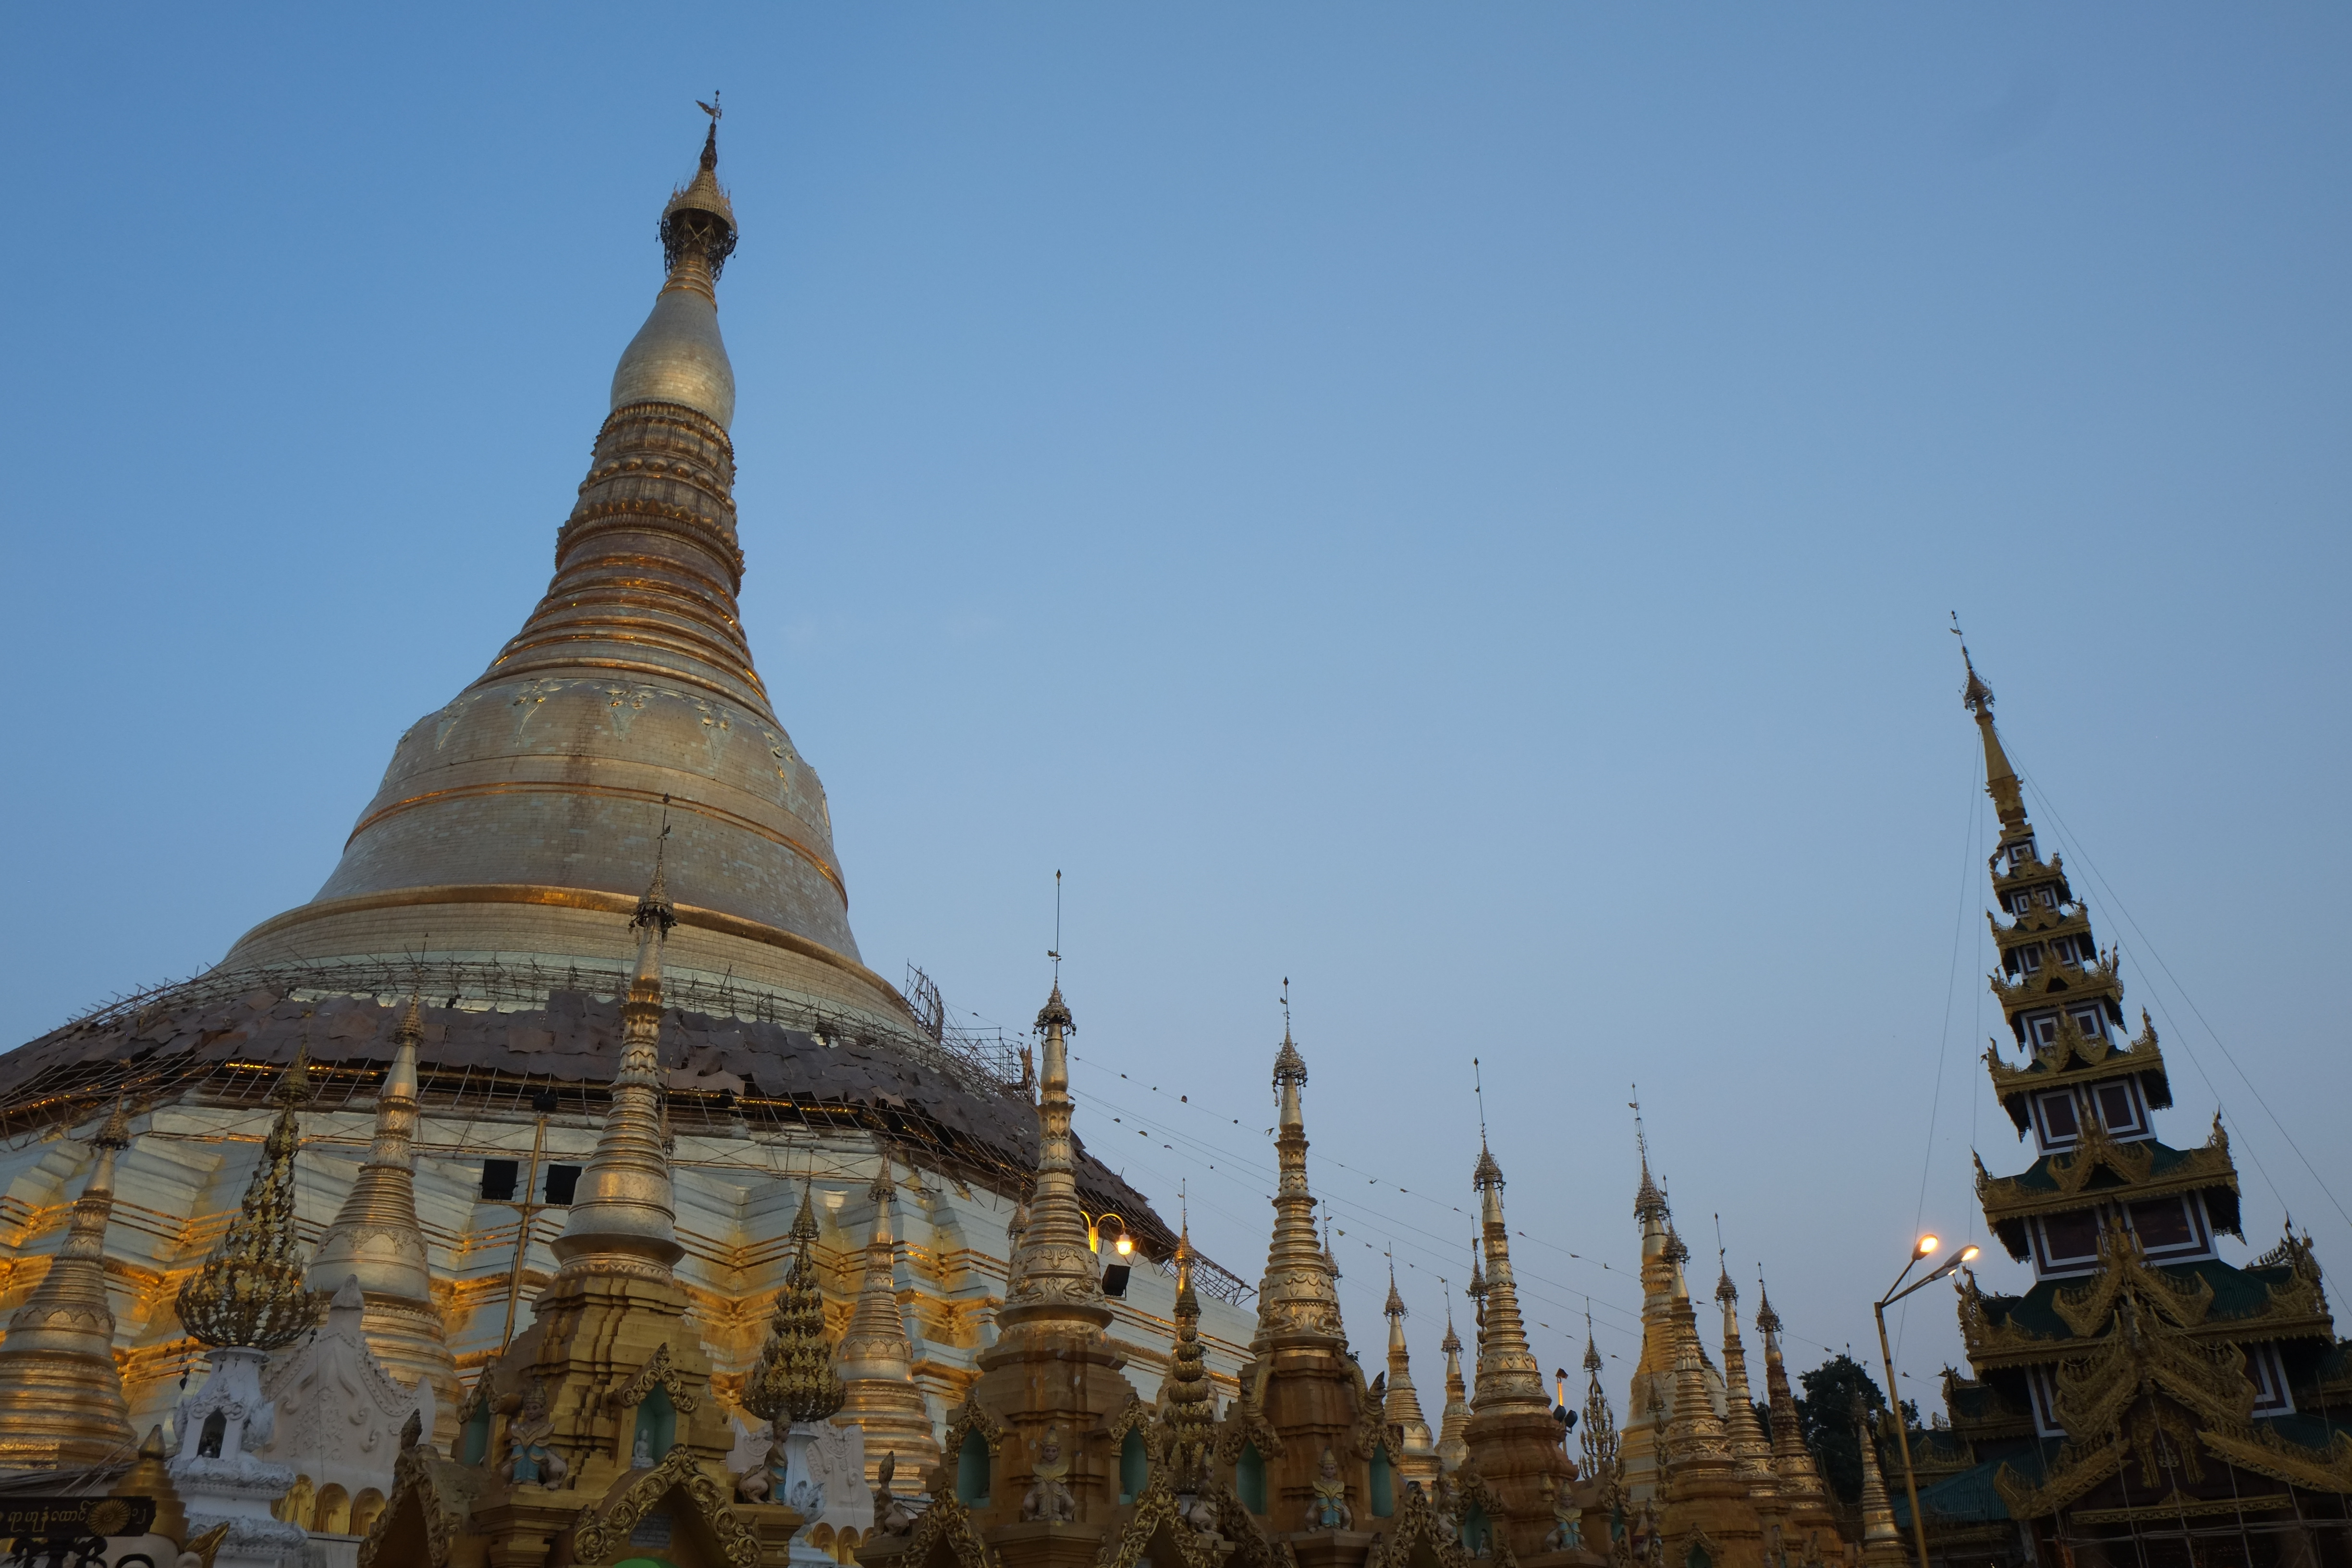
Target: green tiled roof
x: 2237, y: 1293
x: 1969, y: 1496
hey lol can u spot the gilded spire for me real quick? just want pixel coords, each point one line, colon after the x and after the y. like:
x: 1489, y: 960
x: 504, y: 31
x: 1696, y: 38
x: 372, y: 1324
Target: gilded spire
x: 1052, y: 1282
x: 248, y: 1293
x: 678, y: 356
x: 1600, y: 1439
x: 1790, y: 1458
x: 793, y: 1380
x: 878, y: 1361
x: 1881, y: 1542
x: 60, y: 1392
x: 376, y: 1239
x: 1298, y: 1296
x: 1185, y: 1396
x: 375, y: 1236
x: 1402, y: 1407
x: 1509, y: 1377
x: 1453, y: 1442
x: 1751, y: 1454
x: 623, y: 1216
x: 2000, y: 779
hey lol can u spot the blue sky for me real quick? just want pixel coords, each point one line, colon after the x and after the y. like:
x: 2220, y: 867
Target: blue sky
x: 1458, y: 507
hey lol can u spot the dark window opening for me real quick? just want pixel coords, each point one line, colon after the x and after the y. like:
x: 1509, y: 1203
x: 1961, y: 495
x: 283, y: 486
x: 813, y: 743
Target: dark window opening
x: 2059, y: 1123
x: 498, y: 1180
x: 2164, y: 1223
x: 2030, y: 958
x: 1114, y: 1281
x: 216, y: 1433
x: 972, y: 1469
x: 2118, y: 1110
x: 563, y: 1180
x: 2071, y: 1237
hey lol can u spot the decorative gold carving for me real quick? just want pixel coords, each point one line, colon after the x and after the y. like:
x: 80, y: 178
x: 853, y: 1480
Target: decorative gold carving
x: 412, y: 1487
x: 2076, y: 1471
x: 656, y: 1370
x: 249, y: 1290
x: 795, y: 1379
x: 2261, y: 1450
x: 596, y: 1535
x: 1471, y: 1490
x: 2185, y: 1299
x: 971, y: 1416
x: 1416, y: 1525
x: 947, y: 1522
x: 2177, y: 1507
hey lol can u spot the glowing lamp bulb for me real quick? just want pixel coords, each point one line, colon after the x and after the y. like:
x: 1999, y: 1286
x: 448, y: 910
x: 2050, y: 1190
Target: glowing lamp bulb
x: 1929, y: 1244
x: 1969, y: 1253
x: 1125, y: 1245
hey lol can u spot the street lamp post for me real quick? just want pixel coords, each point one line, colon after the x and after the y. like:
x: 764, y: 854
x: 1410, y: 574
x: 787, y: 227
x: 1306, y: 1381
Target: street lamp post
x: 1896, y: 1292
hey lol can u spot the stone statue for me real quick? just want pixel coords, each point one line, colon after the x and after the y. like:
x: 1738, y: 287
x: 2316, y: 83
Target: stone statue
x: 891, y: 1517
x: 529, y: 1459
x: 1567, y: 1520
x: 1329, y: 1510
x: 1049, y: 1497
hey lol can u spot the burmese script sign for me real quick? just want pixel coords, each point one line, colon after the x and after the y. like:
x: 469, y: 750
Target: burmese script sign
x: 74, y: 1518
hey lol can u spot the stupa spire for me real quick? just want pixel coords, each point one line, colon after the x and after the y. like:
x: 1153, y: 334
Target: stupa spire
x: 630, y: 679
x: 1792, y: 1460
x: 1600, y: 1431
x: 61, y: 1400
x: 876, y: 1357
x: 1509, y: 1377
x: 1187, y: 1402
x: 2000, y: 778
x: 1402, y: 1408
x: 1882, y: 1543
x: 624, y: 1214
x: 1751, y: 1454
x: 375, y: 1237
x: 1297, y: 1297
x: 1051, y: 1282
x: 1454, y: 1421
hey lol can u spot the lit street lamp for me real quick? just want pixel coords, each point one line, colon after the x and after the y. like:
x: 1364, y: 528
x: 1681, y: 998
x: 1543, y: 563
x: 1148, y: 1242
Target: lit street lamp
x: 1896, y: 1292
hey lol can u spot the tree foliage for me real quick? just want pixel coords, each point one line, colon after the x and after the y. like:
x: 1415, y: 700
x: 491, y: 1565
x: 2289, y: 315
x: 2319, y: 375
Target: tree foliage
x: 1825, y: 1420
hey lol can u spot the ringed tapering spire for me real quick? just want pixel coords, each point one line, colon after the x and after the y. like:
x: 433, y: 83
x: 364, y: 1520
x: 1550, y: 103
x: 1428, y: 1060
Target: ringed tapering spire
x: 1187, y: 1402
x: 1297, y: 1297
x: 61, y: 1398
x: 1509, y: 1377
x: 1051, y: 1282
x: 512, y: 821
x: 1454, y: 1420
x: 1402, y: 1407
x: 376, y: 1239
x: 623, y: 1216
x: 878, y: 1360
x: 2000, y: 779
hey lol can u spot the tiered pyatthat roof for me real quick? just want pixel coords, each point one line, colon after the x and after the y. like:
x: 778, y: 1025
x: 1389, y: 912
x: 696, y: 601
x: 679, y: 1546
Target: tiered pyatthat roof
x: 2135, y: 1332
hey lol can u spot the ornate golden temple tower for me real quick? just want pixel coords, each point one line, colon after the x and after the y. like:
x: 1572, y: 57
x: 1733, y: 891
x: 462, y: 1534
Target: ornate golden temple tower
x: 60, y: 1392
x: 2142, y: 1398
x: 375, y: 1238
x: 876, y: 1360
x: 1417, y: 1461
x: 1518, y: 1454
